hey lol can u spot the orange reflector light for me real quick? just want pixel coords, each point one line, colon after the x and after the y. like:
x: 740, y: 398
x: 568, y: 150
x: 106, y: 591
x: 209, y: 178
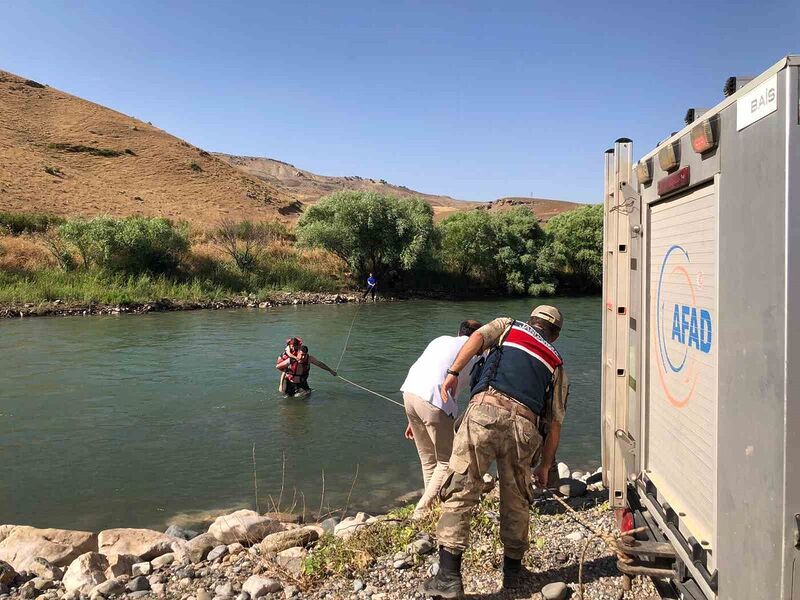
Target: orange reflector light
x: 703, y: 138
x: 676, y: 181
x: 644, y: 171
x: 669, y: 157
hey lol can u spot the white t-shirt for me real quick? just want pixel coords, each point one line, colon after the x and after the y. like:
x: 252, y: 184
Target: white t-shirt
x: 426, y: 375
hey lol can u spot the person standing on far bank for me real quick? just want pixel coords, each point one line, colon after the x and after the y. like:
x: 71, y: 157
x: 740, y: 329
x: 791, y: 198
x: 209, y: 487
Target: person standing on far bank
x: 430, y: 421
x: 500, y: 424
x: 371, y: 284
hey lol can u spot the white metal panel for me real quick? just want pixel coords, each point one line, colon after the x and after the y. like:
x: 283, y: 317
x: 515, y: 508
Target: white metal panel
x: 681, y: 412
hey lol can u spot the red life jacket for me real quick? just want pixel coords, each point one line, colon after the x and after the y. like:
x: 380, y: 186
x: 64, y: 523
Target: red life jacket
x: 297, y: 371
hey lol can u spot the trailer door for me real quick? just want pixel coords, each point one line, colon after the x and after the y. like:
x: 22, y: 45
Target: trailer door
x: 681, y: 410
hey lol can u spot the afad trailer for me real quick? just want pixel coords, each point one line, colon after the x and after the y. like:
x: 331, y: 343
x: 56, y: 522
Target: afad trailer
x: 701, y: 346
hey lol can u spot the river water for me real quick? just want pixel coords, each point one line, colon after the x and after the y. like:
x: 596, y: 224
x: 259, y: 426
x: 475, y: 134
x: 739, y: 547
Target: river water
x: 140, y: 421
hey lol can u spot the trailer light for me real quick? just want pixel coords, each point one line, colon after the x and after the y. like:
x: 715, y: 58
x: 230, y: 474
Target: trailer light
x: 703, y: 138
x: 644, y: 171
x: 669, y: 157
x: 676, y: 181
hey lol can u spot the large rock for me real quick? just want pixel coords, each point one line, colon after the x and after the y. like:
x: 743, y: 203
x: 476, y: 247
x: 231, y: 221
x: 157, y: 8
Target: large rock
x: 7, y: 573
x: 563, y: 471
x: 144, y: 543
x: 198, y: 548
x: 292, y: 560
x: 41, y: 567
x: 59, y: 546
x: 350, y: 525
x: 5, y: 530
x: 258, y: 586
x: 277, y: 542
x: 243, y: 526
x: 121, y: 564
x: 85, y: 572
x: 571, y: 488
x: 180, y: 532
x: 555, y: 591
x: 110, y: 587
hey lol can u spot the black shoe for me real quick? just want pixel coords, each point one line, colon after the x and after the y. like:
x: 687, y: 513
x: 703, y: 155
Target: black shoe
x: 444, y: 584
x: 447, y: 582
x: 515, y: 576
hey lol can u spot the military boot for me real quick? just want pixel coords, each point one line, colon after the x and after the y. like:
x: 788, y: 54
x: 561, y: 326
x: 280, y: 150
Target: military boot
x: 447, y: 581
x: 515, y: 576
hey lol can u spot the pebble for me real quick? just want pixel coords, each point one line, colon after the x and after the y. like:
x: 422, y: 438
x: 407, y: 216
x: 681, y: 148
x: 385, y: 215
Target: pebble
x: 358, y: 585
x: 225, y: 590
x: 142, y: 568
x: 138, y: 584
x: 555, y: 591
x: 217, y: 552
x: 243, y: 596
x: 290, y: 591
x: 575, y: 536
x: 163, y: 560
x: 141, y: 594
x: 203, y: 594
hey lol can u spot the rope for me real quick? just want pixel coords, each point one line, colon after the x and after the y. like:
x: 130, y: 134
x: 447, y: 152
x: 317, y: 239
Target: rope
x: 370, y: 391
x: 347, y: 341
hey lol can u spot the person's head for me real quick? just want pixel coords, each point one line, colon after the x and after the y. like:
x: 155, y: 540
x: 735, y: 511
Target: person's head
x: 294, y: 343
x: 303, y: 350
x: 370, y: 274
x: 468, y: 327
x: 548, y: 320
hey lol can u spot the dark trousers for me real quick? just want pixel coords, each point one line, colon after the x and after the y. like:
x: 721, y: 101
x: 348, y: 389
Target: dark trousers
x: 370, y: 290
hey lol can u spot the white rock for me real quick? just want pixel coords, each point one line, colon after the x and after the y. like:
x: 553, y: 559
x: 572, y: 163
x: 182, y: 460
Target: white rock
x: 144, y: 543
x: 563, y: 471
x: 258, y: 586
x: 235, y: 548
x: 575, y: 536
x: 22, y: 544
x: 163, y: 560
x: 217, y: 552
x: 243, y: 526
x: 350, y: 525
x: 85, y: 572
x: 142, y: 568
x: 43, y: 568
x: 158, y: 589
x: 555, y: 591
x: 578, y: 474
x: 121, y: 564
x: 292, y: 560
x: 110, y: 587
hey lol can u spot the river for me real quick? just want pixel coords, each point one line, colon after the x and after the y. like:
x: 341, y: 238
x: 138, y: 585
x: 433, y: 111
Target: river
x: 140, y: 421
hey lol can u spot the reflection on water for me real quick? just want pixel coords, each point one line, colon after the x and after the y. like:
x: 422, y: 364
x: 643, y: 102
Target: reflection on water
x: 132, y: 421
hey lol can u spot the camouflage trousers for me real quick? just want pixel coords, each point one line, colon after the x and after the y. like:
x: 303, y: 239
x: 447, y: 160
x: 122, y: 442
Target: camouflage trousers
x: 488, y: 434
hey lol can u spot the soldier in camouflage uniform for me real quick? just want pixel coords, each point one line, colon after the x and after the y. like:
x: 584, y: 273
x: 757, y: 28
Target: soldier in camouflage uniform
x: 522, y: 376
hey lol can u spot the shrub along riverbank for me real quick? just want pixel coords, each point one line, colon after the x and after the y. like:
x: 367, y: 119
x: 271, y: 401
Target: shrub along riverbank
x: 136, y: 260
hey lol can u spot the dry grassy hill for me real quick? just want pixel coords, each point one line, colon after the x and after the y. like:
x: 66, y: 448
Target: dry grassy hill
x: 542, y: 207
x: 64, y: 155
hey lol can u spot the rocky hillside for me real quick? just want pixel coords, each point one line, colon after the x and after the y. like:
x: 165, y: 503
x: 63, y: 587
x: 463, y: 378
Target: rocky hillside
x: 64, y: 155
x: 543, y: 208
x: 309, y: 187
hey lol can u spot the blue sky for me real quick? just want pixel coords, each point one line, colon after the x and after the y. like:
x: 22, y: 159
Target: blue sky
x: 460, y: 98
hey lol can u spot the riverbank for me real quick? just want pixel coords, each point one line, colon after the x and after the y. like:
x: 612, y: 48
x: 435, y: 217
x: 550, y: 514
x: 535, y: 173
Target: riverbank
x: 61, y: 308
x: 245, y: 556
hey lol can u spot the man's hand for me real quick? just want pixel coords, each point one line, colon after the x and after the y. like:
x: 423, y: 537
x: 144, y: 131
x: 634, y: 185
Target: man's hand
x: 333, y: 373
x: 409, y: 434
x: 450, y: 384
x: 540, y: 475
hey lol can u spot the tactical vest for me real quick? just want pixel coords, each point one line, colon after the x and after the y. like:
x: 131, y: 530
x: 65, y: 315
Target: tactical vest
x: 522, y: 366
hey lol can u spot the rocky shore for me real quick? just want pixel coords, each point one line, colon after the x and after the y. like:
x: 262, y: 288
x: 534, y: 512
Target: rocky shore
x: 246, y: 556
x: 61, y: 308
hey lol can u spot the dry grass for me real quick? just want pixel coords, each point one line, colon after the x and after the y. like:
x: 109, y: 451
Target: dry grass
x: 24, y: 253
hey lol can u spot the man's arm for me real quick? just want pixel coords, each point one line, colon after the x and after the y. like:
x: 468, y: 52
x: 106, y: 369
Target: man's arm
x: 548, y: 454
x: 483, y: 338
x: 321, y: 365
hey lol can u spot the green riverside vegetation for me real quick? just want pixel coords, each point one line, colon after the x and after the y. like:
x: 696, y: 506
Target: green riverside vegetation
x: 133, y: 260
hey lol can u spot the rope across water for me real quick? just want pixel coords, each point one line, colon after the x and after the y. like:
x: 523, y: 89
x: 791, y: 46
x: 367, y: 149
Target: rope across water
x: 361, y: 387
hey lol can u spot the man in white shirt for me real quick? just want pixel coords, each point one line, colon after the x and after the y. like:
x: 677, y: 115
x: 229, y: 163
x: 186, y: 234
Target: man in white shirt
x: 430, y: 421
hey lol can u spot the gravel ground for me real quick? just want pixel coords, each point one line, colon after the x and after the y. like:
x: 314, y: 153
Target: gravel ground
x: 387, y: 561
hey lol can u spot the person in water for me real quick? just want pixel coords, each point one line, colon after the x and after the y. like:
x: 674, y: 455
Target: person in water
x: 295, y: 366
x: 371, y: 284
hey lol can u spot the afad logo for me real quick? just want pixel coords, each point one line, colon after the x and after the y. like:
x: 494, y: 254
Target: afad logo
x: 684, y: 331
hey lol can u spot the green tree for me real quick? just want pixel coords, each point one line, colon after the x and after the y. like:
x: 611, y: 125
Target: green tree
x: 131, y: 245
x: 468, y: 243
x: 369, y: 231
x: 574, y: 255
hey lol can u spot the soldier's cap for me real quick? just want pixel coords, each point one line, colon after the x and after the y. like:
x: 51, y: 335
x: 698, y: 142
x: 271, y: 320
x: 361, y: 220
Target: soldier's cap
x: 548, y: 313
